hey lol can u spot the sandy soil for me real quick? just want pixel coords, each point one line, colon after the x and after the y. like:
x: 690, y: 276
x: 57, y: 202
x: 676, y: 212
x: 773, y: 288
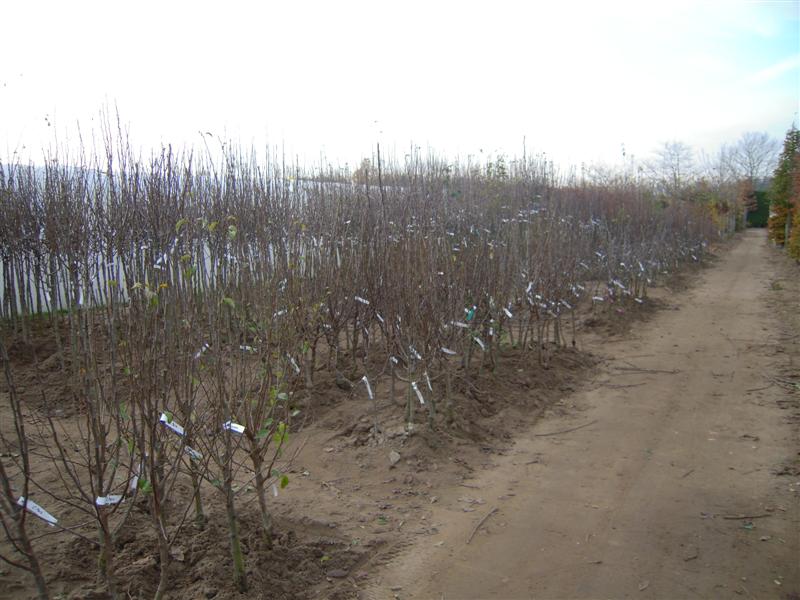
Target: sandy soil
x: 682, y: 481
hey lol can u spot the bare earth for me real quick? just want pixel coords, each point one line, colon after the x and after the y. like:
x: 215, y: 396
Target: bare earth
x: 684, y: 485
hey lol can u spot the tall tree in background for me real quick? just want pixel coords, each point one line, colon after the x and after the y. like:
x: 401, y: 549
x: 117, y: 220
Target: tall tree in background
x: 793, y: 246
x: 673, y: 168
x: 754, y: 155
x: 781, y: 190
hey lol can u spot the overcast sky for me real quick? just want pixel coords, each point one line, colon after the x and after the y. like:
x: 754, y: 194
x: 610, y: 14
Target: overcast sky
x: 575, y: 79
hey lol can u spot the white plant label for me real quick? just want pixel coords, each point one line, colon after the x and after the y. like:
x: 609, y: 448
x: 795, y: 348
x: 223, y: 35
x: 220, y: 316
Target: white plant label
x: 459, y: 324
x: 294, y: 365
x: 247, y: 349
x: 380, y: 318
x: 274, y: 490
x: 598, y: 298
x: 171, y: 424
x: 109, y: 500
x: 362, y: 300
x: 419, y: 394
x: 368, y: 386
x: 448, y: 351
x: 479, y: 341
x: 508, y: 313
x: 200, y: 352
x: 234, y: 427
x: 37, y: 510
x: 193, y: 453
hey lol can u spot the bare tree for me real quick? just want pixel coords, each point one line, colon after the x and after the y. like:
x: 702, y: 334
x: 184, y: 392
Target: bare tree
x: 673, y: 167
x: 754, y: 155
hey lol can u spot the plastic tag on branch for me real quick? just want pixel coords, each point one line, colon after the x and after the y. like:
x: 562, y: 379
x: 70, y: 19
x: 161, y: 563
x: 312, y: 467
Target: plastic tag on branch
x: 247, y: 349
x: 294, y: 365
x: 135, y: 479
x: 37, y: 510
x: 638, y: 300
x: 274, y: 490
x: 508, y: 313
x: 567, y: 304
x: 428, y: 381
x: 234, y: 427
x: 109, y: 500
x: 417, y: 392
x: 361, y: 300
x: 480, y: 343
x: 448, y: 351
x: 168, y: 422
x: 193, y: 453
x: 368, y: 386
x: 459, y: 324
x: 379, y: 317
x: 414, y: 353
x: 598, y: 299
x: 394, y: 360
x: 202, y: 351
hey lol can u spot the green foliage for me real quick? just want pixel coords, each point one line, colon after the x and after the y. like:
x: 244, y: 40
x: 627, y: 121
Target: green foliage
x: 759, y: 217
x: 782, y: 187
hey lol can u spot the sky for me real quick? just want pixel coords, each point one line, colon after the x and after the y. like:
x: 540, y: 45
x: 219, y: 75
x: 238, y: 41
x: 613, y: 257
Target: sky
x: 576, y: 80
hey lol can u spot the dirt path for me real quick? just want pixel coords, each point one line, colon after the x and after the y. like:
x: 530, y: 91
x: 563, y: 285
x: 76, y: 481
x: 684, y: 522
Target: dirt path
x: 639, y: 503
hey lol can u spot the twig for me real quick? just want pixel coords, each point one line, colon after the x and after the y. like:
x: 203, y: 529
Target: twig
x: 745, y: 517
x: 641, y: 370
x: 565, y: 430
x: 758, y: 389
x: 481, y: 522
x: 630, y: 385
x: 685, y: 475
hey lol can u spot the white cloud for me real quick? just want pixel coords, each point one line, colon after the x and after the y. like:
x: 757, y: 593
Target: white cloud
x: 776, y: 70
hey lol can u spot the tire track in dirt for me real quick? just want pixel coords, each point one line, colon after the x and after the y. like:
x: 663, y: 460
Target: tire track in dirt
x: 686, y: 430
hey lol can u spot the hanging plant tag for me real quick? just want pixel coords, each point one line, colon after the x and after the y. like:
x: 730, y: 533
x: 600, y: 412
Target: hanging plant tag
x: 169, y: 423
x: 419, y: 394
x: 109, y: 500
x: 37, y: 510
x: 234, y: 427
x: 368, y: 386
